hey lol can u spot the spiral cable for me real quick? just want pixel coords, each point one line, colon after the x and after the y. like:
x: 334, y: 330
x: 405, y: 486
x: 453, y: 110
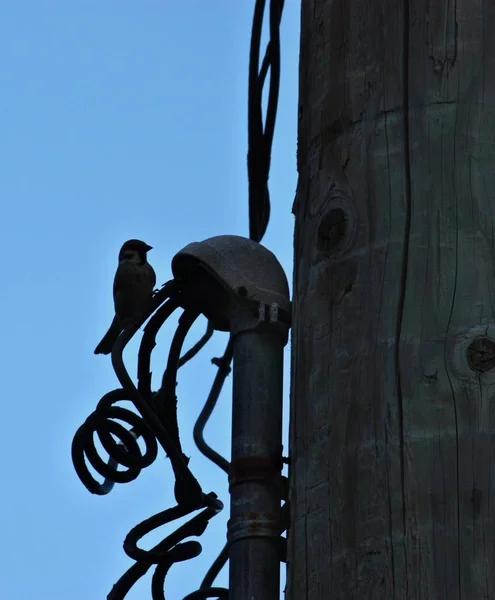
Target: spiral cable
x: 155, y: 423
x: 126, y: 452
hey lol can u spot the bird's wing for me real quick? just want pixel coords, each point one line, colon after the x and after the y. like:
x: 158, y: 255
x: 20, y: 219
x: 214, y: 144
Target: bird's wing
x: 132, y: 287
x: 152, y: 276
x: 119, y: 282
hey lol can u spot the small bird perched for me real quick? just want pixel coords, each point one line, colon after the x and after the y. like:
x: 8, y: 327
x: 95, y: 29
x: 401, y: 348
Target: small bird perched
x: 132, y: 287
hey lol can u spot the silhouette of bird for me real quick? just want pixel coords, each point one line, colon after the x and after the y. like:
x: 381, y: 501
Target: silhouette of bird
x: 132, y: 287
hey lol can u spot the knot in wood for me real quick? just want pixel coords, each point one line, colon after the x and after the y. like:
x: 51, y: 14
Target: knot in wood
x: 332, y: 229
x: 481, y: 355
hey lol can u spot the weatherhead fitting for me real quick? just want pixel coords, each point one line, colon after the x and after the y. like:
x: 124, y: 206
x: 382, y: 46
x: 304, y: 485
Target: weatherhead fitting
x: 223, y: 271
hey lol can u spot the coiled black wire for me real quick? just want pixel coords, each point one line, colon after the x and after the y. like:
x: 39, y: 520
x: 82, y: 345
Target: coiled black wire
x: 126, y: 452
x: 156, y: 422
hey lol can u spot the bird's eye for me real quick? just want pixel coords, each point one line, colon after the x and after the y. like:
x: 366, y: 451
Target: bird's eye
x: 128, y: 254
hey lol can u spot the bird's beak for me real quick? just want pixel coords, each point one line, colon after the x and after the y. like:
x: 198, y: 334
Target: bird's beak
x: 148, y: 248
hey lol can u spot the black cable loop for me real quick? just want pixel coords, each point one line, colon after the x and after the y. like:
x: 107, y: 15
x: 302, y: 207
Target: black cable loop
x: 148, y: 342
x: 223, y: 365
x: 194, y: 497
x: 163, y: 555
x: 260, y: 138
x: 165, y: 400
x: 170, y: 550
x: 156, y: 421
x: 126, y: 453
x: 187, y: 490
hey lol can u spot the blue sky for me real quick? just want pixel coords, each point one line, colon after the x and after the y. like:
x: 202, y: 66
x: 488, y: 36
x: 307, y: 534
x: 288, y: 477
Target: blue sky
x: 118, y: 120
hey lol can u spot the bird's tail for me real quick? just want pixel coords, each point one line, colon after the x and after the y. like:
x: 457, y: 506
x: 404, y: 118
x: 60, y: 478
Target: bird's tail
x: 110, y: 337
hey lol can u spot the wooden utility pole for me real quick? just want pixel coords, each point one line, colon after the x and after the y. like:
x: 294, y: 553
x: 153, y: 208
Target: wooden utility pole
x: 393, y: 406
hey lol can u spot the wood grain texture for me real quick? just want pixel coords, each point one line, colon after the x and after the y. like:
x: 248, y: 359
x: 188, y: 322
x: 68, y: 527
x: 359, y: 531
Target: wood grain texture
x: 391, y: 426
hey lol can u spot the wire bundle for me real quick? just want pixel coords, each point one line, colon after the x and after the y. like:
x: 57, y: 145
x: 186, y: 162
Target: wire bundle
x: 156, y: 423
x: 155, y: 419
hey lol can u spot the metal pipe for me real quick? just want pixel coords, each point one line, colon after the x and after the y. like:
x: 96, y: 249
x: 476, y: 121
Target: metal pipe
x: 255, y: 473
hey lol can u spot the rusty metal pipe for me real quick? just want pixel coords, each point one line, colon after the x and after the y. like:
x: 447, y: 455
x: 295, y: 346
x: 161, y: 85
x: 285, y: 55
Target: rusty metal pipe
x: 255, y: 473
